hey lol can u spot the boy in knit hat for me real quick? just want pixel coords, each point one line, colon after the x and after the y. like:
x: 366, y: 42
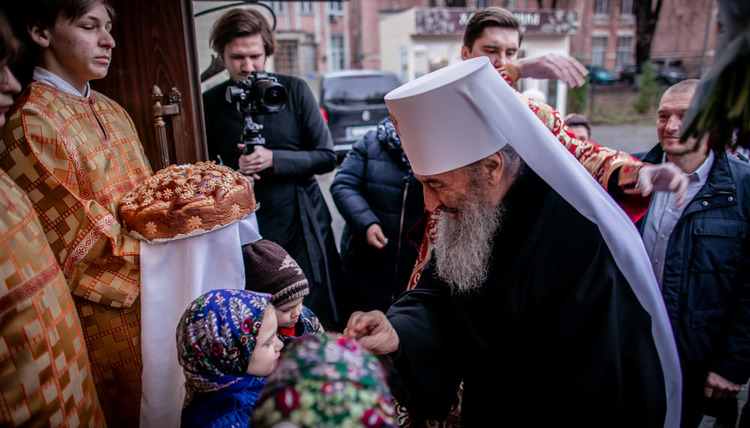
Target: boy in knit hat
x: 270, y: 269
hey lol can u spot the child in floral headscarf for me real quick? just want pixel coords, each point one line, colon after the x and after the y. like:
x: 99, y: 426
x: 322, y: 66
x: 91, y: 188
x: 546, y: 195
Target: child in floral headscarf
x: 226, y: 344
x: 326, y: 380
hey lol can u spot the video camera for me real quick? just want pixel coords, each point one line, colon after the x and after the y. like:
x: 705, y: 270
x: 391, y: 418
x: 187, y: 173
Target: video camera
x: 260, y: 93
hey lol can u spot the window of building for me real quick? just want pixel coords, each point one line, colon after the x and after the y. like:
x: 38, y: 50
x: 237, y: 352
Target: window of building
x: 403, y: 63
x: 337, y: 53
x: 627, y: 8
x: 285, y: 59
x: 598, y: 50
x: 306, y: 8
x: 601, y: 7
x: 455, y: 3
x: 624, y: 52
x: 335, y: 8
x: 310, y: 54
x: 278, y: 7
x: 481, y: 4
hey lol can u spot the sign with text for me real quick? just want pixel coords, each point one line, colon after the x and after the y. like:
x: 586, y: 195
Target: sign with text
x: 451, y: 21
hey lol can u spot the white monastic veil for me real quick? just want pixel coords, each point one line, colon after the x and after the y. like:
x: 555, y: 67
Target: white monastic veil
x: 438, y: 113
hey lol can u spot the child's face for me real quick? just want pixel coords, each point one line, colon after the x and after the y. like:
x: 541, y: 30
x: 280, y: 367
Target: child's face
x: 80, y: 50
x: 267, y: 348
x: 288, y: 313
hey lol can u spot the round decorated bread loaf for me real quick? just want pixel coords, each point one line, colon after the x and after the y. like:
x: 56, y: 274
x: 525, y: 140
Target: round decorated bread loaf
x: 186, y: 200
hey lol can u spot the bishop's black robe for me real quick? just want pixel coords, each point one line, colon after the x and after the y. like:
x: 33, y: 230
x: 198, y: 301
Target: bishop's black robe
x: 555, y: 336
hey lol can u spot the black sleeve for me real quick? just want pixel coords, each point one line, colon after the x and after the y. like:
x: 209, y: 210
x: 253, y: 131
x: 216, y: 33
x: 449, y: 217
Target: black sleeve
x: 613, y: 186
x: 316, y: 155
x: 348, y: 186
x: 426, y: 368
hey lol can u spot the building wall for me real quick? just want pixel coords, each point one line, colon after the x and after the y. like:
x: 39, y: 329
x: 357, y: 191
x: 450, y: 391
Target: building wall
x: 418, y: 41
x: 397, y: 44
x: 686, y: 31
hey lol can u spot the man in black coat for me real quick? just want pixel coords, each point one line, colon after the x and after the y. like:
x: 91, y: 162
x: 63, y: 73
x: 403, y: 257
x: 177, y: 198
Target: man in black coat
x: 298, y: 145
x: 526, y: 299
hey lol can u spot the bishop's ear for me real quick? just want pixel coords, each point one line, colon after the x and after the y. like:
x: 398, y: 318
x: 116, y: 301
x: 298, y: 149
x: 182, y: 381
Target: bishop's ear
x: 494, y: 166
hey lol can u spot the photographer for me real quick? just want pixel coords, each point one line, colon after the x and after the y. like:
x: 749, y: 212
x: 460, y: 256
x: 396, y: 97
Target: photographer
x: 297, y: 146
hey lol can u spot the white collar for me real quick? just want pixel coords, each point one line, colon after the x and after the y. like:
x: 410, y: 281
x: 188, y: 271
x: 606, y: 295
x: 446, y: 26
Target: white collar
x: 52, y: 79
x: 701, y: 173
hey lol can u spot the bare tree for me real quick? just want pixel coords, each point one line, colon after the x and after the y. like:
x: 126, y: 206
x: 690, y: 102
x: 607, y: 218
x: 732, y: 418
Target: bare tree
x: 552, y: 4
x: 646, y: 16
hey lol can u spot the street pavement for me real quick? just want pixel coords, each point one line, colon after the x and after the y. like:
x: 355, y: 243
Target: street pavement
x: 628, y: 138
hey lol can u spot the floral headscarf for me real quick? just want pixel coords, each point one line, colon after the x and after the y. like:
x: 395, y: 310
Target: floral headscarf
x: 387, y: 135
x: 326, y: 380
x: 216, y: 338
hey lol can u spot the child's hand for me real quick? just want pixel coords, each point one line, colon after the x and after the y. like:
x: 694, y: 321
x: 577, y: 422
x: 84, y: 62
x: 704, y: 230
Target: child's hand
x: 373, y: 331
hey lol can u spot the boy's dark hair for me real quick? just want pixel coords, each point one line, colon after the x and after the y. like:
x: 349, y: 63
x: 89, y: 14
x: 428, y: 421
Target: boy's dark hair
x: 10, y: 48
x: 490, y: 17
x: 240, y: 23
x: 44, y: 13
x: 574, y: 119
x: 25, y: 14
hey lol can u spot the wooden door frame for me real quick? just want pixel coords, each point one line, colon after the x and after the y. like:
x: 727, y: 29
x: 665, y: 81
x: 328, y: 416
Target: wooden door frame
x: 156, y: 45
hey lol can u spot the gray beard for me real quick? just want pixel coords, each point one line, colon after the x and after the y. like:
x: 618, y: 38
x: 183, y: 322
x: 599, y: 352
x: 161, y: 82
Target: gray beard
x: 463, y: 245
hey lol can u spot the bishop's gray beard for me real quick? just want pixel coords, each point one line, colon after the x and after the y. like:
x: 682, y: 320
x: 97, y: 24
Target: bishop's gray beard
x: 463, y: 245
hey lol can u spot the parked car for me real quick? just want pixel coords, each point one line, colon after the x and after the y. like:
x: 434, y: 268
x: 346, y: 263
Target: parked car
x: 599, y: 74
x: 352, y: 103
x: 665, y: 75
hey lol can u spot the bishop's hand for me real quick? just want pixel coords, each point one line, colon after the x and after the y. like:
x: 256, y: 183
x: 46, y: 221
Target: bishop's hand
x: 373, y: 331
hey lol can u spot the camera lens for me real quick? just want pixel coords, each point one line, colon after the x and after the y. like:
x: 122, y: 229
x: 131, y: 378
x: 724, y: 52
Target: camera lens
x: 274, y: 97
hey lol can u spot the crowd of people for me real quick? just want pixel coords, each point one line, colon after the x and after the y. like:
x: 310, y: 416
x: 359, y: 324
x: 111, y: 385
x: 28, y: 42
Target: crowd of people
x: 482, y: 269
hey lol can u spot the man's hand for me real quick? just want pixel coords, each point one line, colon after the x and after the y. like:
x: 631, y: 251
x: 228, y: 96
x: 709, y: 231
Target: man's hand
x: 251, y: 164
x: 720, y: 387
x: 373, y: 331
x: 663, y: 177
x: 553, y: 66
x: 375, y: 237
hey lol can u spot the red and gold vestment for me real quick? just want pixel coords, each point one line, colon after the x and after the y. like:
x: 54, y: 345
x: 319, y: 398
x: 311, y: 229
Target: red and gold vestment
x: 75, y: 158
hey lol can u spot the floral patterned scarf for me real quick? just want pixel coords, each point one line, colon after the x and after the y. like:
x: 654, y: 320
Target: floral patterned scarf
x: 216, y: 338
x: 388, y: 137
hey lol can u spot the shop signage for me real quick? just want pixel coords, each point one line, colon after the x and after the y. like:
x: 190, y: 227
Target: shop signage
x: 451, y: 21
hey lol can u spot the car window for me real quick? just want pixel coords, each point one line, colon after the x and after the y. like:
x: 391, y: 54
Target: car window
x: 358, y: 90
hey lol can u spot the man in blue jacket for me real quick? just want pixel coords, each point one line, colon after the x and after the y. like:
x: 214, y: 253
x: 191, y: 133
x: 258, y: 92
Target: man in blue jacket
x: 700, y: 253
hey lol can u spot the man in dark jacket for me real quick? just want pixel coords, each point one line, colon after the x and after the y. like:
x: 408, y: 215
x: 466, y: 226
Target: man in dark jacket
x: 298, y: 145
x: 380, y: 199
x: 700, y: 254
